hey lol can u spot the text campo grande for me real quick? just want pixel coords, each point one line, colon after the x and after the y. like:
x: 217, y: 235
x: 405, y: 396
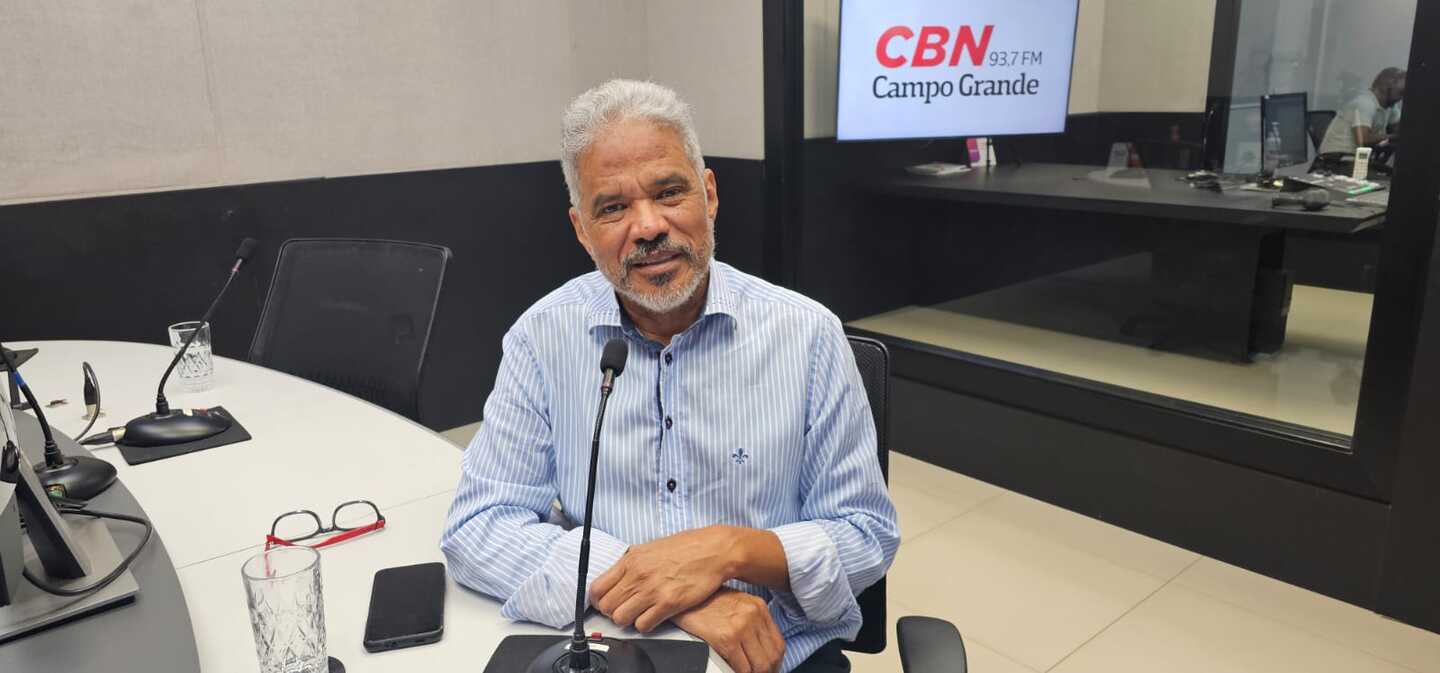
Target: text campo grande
x: 967, y: 85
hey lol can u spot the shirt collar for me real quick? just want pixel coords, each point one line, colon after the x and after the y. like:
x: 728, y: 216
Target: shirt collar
x: 603, y: 310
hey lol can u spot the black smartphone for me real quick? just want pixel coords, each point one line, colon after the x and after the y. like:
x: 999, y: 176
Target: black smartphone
x: 407, y: 607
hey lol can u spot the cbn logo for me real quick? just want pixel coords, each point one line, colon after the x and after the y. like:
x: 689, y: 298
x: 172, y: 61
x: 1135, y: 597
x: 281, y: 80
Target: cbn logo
x: 931, y: 48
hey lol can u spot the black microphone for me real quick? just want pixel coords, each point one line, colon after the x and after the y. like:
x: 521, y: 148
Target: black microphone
x: 1311, y: 199
x: 166, y: 427
x: 612, y: 365
x: 546, y: 654
x: 78, y: 477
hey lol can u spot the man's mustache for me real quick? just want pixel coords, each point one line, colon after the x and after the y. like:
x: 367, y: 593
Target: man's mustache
x: 650, y: 248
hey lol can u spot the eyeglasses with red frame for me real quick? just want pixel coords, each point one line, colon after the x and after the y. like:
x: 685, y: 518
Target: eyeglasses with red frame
x: 292, y: 528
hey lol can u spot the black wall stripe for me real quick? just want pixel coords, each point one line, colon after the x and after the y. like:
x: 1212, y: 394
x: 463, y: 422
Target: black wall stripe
x: 125, y: 267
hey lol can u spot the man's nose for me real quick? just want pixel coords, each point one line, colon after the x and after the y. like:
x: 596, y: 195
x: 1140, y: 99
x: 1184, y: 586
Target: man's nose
x: 649, y: 224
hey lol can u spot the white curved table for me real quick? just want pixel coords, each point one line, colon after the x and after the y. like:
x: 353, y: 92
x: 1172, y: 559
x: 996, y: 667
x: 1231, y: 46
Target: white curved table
x: 312, y: 448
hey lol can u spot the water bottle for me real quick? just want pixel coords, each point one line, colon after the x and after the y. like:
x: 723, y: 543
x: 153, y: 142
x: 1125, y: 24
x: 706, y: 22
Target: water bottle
x: 1272, y: 149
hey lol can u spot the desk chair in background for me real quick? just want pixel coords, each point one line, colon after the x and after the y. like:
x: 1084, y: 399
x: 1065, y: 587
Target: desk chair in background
x: 927, y: 645
x: 355, y: 315
x: 1343, y: 162
x: 1317, y: 123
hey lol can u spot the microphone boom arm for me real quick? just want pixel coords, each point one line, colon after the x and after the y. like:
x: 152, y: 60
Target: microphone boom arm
x: 579, y: 642
x: 162, y: 406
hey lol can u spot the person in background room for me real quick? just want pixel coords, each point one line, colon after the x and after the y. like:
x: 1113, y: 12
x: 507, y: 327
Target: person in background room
x: 1365, y: 121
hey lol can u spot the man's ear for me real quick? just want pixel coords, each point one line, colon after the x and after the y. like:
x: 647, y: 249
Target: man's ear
x: 712, y: 195
x: 580, y: 231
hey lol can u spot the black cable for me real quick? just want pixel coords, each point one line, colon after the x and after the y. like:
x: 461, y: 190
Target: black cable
x: 8, y: 437
x: 53, y: 457
x: 103, y: 437
x: 91, y: 382
x: 115, y: 574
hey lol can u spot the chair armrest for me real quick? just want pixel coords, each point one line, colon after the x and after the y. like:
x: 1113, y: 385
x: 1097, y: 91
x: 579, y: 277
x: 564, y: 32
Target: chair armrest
x: 929, y: 645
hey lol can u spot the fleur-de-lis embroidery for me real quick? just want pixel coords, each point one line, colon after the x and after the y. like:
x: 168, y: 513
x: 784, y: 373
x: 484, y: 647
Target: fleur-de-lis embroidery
x: 739, y: 456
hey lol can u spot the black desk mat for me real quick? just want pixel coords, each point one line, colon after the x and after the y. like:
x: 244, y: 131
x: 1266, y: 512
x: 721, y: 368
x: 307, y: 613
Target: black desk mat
x: 137, y: 455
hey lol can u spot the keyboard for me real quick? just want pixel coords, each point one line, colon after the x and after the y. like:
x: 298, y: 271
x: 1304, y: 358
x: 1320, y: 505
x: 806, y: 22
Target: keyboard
x: 1340, y: 185
x: 1381, y: 199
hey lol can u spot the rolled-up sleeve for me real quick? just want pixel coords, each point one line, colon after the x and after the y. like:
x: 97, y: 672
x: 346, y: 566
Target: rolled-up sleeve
x: 847, y: 536
x: 495, y: 538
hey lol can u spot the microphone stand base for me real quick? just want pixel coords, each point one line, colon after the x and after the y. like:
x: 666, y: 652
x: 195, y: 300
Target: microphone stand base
x: 78, y: 477
x: 176, y: 427
x: 551, y: 654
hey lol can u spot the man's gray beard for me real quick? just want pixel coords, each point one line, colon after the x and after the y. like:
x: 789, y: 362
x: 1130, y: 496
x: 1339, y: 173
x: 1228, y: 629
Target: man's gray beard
x: 666, y: 300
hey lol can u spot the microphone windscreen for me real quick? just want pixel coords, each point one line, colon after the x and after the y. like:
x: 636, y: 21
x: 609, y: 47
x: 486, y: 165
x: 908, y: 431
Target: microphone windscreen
x: 1310, y: 199
x: 247, y: 248
x: 613, y: 359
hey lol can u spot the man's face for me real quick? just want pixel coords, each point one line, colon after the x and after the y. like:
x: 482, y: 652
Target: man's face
x: 645, y: 217
x: 1393, y: 92
x: 1397, y: 91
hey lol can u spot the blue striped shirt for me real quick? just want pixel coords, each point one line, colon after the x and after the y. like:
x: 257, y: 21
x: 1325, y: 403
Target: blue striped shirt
x: 753, y: 416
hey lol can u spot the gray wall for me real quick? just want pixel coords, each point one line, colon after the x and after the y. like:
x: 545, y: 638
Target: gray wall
x: 1155, y: 55
x: 1361, y: 39
x: 194, y: 123
x: 1331, y: 49
x: 141, y: 95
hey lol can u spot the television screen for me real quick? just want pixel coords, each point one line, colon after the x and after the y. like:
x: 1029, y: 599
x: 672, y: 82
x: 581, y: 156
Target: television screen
x: 954, y: 68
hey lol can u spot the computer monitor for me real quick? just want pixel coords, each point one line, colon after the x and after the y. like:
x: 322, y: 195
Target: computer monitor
x: 1289, y: 111
x: 1242, y: 137
x: 944, y: 69
x: 12, y: 556
x: 12, y: 549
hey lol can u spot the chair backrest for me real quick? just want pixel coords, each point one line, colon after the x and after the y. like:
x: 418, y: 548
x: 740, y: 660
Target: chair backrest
x: 1317, y: 123
x: 353, y: 314
x: 873, y: 361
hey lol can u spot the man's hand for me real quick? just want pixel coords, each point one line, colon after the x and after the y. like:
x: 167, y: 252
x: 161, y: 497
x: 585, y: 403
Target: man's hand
x: 738, y: 626
x: 655, y: 581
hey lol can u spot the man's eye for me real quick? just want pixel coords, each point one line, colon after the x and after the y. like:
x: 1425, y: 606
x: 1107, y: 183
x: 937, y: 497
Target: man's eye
x: 671, y: 193
x: 612, y: 209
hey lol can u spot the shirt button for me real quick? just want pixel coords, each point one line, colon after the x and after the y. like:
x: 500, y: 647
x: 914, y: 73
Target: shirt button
x: 668, y: 358
x: 670, y: 485
x: 668, y: 423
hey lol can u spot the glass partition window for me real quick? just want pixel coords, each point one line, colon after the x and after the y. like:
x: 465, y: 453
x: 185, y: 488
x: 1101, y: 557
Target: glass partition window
x: 1157, y: 246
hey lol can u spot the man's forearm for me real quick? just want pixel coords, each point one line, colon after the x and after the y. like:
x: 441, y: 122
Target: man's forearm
x: 504, y: 569
x: 759, y: 558
x: 1368, y: 137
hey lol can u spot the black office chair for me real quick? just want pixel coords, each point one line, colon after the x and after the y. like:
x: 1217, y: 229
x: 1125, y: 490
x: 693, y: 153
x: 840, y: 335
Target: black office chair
x: 929, y: 645
x: 1317, y: 122
x: 355, y: 315
x: 873, y: 361
x: 926, y: 645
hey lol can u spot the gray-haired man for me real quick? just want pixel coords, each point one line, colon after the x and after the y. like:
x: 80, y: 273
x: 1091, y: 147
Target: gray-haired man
x: 738, y: 494
x: 1364, y: 120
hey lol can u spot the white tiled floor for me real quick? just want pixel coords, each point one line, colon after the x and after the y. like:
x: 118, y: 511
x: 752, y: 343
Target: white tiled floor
x: 1313, y: 381
x: 462, y: 435
x: 1035, y: 588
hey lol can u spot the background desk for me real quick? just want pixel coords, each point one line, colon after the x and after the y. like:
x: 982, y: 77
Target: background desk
x: 313, y: 448
x: 1193, y: 271
x: 1159, y: 193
